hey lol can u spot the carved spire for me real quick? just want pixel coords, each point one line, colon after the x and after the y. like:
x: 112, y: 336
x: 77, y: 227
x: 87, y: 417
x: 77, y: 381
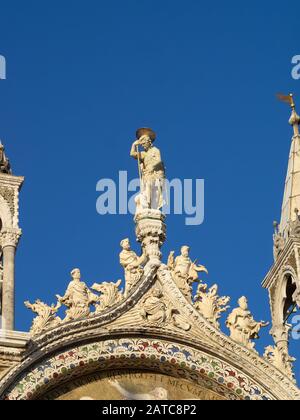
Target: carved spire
x: 291, y: 199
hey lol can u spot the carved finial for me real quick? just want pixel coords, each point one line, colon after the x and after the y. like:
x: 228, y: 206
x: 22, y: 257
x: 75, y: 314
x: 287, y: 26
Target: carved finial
x: 295, y: 118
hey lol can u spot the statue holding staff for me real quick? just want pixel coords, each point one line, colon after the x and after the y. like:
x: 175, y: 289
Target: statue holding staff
x: 151, y: 167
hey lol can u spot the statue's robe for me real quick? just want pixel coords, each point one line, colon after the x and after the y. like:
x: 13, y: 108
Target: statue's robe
x: 130, y: 262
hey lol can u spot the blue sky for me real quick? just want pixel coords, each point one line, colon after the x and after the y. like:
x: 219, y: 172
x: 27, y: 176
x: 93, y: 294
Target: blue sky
x: 82, y: 76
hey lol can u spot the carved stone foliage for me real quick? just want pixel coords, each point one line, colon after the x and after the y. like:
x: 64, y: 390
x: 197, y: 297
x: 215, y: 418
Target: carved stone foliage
x: 9, y: 196
x: 281, y: 359
x: 10, y: 237
x: 210, y: 304
x: 278, y: 354
x: 110, y: 295
x: 151, y: 232
x: 243, y: 328
x: 185, y: 271
x: 46, y: 316
x: 157, y: 311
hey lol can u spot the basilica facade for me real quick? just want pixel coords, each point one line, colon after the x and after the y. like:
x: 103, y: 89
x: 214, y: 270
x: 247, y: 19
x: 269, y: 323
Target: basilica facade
x: 159, y: 337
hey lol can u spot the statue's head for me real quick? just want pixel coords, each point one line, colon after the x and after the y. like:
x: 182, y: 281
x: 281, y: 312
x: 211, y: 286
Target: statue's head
x: 145, y: 142
x: 76, y: 275
x: 185, y: 250
x: 146, y: 137
x: 243, y: 303
x: 125, y: 244
x: 157, y: 293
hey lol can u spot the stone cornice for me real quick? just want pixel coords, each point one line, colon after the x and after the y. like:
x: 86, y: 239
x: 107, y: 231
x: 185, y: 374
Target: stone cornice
x: 11, y: 180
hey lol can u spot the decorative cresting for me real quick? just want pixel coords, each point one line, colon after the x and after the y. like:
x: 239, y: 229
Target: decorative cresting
x: 158, y: 323
x: 282, y: 280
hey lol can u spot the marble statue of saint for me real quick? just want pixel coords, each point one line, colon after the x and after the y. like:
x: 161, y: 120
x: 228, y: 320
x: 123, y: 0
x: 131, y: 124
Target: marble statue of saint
x: 151, y: 166
x: 132, y: 264
x: 154, y: 309
x: 185, y: 271
x: 77, y: 298
x: 243, y: 328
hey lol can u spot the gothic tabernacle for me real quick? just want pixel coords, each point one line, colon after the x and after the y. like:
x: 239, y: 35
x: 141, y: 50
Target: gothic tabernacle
x: 155, y: 334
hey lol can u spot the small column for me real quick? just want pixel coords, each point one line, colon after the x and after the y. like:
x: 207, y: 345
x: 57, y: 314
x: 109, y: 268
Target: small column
x: 151, y: 232
x: 280, y: 333
x: 9, y: 240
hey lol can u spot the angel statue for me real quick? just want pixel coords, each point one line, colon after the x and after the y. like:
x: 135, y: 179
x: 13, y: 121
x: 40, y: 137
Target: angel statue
x: 185, y: 271
x: 151, y: 168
